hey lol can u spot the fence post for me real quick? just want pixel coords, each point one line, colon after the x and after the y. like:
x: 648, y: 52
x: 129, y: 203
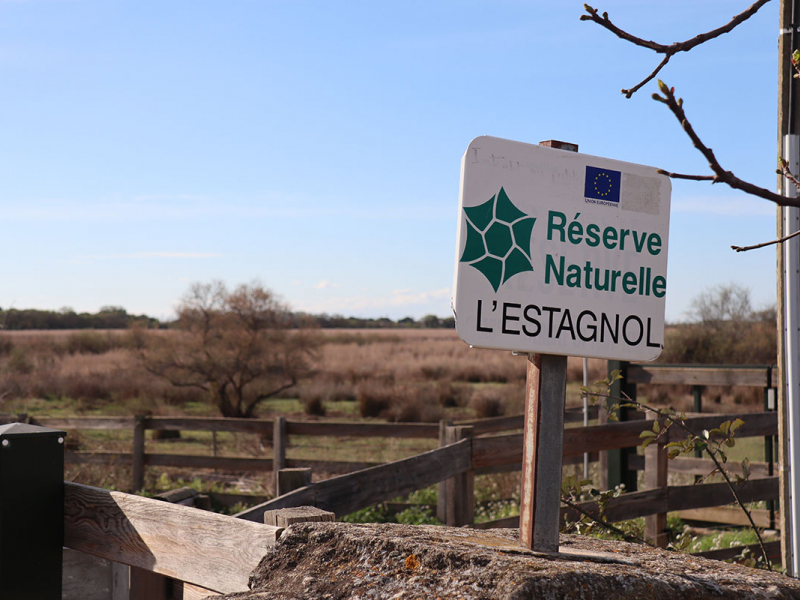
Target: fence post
x: 614, y: 468
x: 441, y: 487
x: 292, y: 479
x: 655, y: 476
x: 32, y: 516
x: 460, y: 495
x: 770, y: 394
x: 278, y: 448
x: 140, y: 422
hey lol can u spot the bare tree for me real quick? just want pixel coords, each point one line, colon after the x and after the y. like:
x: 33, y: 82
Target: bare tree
x: 675, y: 105
x: 241, y: 347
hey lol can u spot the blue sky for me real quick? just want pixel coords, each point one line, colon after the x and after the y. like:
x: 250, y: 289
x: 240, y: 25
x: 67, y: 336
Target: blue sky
x: 315, y: 146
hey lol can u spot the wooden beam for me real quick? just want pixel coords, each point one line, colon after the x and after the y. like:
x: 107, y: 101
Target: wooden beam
x: 773, y: 551
x: 260, y: 426
x: 84, y: 422
x: 684, y: 375
x: 728, y: 515
x: 459, y: 490
x: 718, y: 494
x: 655, y: 476
x: 358, y: 429
x: 703, y: 466
x: 203, y: 548
x: 347, y: 493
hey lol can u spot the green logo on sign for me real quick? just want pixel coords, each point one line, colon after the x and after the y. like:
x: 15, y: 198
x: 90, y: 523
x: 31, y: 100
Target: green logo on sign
x: 498, y: 239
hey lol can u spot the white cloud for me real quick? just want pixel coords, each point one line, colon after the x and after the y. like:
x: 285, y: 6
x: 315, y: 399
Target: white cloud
x: 325, y: 284
x: 297, y: 282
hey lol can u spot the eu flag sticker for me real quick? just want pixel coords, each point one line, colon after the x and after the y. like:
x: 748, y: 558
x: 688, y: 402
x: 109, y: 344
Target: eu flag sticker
x: 602, y: 184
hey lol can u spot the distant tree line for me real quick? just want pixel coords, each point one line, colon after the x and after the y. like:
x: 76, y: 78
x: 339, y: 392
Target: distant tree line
x: 326, y: 321
x: 108, y: 317
x: 116, y: 317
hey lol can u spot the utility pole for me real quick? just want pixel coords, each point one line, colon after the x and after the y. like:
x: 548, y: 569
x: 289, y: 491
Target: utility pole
x: 788, y: 296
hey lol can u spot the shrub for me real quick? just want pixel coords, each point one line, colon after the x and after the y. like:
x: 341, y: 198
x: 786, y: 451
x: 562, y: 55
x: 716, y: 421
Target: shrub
x: 313, y: 405
x: 487, y: 403
x: 88, y: 342
x: 373, y: 399
x: 20, y: 362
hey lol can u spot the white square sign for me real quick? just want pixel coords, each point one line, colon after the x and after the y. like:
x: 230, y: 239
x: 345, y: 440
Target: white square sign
x: 560, y: 252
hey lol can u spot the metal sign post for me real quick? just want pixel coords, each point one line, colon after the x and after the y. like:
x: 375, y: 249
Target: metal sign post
x: 559, y: 254
x: 791, y: 333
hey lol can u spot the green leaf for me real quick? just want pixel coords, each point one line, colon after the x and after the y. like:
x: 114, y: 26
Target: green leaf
x: 738, y: 422
x: 730, y: 442
x: 656, y: 426
x: 646, y: 434
x: 673, y: 453
x: 647, y: 442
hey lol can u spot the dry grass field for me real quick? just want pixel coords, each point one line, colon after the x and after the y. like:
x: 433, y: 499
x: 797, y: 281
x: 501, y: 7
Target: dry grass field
x: 391, y: 374
x: 397, y: 375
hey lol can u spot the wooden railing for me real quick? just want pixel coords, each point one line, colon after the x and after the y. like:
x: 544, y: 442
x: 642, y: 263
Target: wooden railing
x: 217, y: 553
x: 138, y: 458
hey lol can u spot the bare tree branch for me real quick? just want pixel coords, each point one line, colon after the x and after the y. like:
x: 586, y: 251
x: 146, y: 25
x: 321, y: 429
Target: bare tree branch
x: 711, y: 178
x: 720, y: 174
x: 630, y: 92
x: 763, y: 244
x: 667, y: 49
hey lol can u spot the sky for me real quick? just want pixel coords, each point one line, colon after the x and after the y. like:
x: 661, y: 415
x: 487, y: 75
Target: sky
x: 315, y: 146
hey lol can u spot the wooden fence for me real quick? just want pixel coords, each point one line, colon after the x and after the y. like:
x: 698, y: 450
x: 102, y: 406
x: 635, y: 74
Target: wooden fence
x: 204, y: 552
x: 276, y: 431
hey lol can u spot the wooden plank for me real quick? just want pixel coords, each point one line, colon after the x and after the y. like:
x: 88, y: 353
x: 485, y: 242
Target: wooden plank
x: 686, y: 375
x: 626, y: 506
x: 203, y: 548
x: 728, y: 515
x: 595, y: 438
x: 496, y: 450
x: 717, y: 494
x: 773, y: 551
x: 460, y: 489
x: 292, y: 479
x: 337, y: 467
x: 222, y: 463
x: 493, y: 424
x: 137, y: 477
x: 755, y: 424
x: 703, y: 466
x: 84, y: 422
x: 357, y: 429
x: 347, y: 493
x: 279, y: 443
x: 284, y: 517
x: 121, y: 581
x: 260, y: 426
x: 655, y: 476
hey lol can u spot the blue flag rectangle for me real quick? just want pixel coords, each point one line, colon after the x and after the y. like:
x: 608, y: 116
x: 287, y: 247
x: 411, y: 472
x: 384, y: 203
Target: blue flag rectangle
x: 602, y: 184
